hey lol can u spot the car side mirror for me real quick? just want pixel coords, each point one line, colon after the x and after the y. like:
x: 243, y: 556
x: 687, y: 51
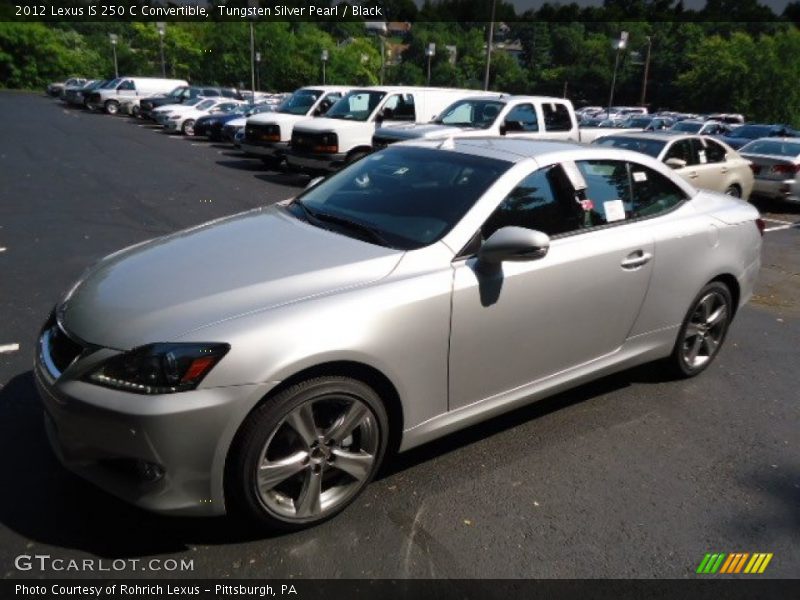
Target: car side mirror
x: 502, y: 130
x: 314, y: 182
x: 675, y: 163
x: 514, y: 244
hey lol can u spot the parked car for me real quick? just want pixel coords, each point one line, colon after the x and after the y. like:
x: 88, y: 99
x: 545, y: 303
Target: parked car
x: 263, y: 363
x: 211, y: 126
x: 489, y: 113
x: 646, y: 123
x: 702, y: 161
x: 160, y: 114
x: 743, y: 134
x: 77, y: 95
x: 775, y: 163
x: 54, y: 89
x: 108, y: 98
x: 183, y: 119
x: 183, y: 94
x: 267, y: 136
x: 344, y: 134
x: 701, y: 127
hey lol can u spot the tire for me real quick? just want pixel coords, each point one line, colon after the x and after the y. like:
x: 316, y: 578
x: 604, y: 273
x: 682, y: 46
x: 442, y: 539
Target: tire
x: 703, y: 330
x: 734, y: 190
x: 112, y: 107
x: 188, y: 127
x: 287, y: 472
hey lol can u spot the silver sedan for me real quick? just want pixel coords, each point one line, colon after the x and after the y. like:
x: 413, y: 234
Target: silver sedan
x: 265, y: 363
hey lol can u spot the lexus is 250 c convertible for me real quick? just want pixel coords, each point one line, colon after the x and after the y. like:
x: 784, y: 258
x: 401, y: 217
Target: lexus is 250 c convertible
x: 264, y: 363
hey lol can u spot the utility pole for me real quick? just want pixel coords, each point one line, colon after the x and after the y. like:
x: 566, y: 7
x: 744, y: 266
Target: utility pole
x: 430, y: 51
x: 620, y: 45
x: 162, y: 30
x: 489, y: 48
x: 646, y: 71
x: 252, y: 4
x: 323, y: 56
x: 113, y: 37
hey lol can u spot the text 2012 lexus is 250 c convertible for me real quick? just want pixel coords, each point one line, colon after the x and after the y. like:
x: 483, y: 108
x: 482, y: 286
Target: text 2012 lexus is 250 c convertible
x: 262, y: 364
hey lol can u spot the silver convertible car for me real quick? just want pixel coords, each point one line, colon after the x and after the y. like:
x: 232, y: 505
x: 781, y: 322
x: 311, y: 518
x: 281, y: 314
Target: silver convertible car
x: 263, y: 364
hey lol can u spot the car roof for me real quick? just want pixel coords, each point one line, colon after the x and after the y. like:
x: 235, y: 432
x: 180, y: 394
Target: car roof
x: 502, y: 148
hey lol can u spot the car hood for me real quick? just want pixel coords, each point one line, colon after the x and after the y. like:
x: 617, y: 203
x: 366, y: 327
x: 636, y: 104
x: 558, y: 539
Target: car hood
x: 164, y: 288
x: 240, y: 122
x: 734, y: 142
x: 322, y: 124
x: 278, y: 118
x: 411, y: 131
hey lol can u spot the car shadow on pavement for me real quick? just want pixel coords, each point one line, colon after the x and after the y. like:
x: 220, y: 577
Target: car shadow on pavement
x: 46, y: 504
x: 242, y: 163
x: 647, y: 373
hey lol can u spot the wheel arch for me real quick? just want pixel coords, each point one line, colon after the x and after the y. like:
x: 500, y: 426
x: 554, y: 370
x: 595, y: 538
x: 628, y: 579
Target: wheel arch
x: 733, y: 286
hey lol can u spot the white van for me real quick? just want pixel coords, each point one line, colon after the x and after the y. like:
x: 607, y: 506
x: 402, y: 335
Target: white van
x: 267, y: 134
x: 110, y: 95
x: 527, y: 117
x: 344, y: 134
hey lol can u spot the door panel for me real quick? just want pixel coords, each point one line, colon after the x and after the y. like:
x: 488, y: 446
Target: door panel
x: 527, y: 320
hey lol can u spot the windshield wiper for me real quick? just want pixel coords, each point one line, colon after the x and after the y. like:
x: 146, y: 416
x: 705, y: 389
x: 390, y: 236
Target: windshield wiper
x: 363, y: 231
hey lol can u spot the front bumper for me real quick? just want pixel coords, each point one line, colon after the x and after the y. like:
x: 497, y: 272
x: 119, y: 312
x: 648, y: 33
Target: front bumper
x: 315, y: 162
x: 164, y: 453
x: 268, y: 149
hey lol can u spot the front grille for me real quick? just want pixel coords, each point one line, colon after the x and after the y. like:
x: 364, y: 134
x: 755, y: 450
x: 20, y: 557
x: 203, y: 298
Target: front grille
x: 62, y: 349
x: 256, y: 133
x: 305, y: 142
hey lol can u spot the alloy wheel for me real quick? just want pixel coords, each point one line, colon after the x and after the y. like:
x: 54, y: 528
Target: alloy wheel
x: 705, y: 330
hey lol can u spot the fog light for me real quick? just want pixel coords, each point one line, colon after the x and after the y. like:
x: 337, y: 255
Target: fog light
x: 148, y: 471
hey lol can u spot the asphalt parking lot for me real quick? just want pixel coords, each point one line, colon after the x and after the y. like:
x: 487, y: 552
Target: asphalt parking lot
x: 631, y: 476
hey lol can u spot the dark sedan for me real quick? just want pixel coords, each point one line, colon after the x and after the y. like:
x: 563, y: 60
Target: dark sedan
x: 211, y: 126
x: 747, y: 133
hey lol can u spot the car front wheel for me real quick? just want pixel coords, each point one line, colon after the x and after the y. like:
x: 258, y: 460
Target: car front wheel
x: 305, y: 454
x: 188, y: 127
x: 703, y: 330
x: 112, y: 107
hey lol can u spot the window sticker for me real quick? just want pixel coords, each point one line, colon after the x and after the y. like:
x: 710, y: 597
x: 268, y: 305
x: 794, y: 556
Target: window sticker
x: 701, y: 155
x: 586, y: 204
x: 614, y: 211
x: 639, y: 176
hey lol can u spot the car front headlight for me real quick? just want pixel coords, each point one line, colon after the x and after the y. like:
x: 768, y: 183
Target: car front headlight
x: 162, y: 368
x: 174, y: 117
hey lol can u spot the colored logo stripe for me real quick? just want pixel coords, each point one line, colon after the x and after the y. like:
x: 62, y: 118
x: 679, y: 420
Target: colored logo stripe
x: 734, y: 563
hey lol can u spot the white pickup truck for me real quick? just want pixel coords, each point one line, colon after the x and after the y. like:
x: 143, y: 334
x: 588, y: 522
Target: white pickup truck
x: 527, y: 117
x: 345, y: 133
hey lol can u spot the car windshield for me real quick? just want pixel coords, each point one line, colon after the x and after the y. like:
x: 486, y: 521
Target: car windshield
x: 636, y: 122
x: 751, y: 131
x: 204, y: 104
x: 177, y: 92
x: 403, y: 198
x: 774, y: 147
x: 300, y: 102
x: 471, y: 113
x: 356, y: 106
x: 687, y: 126
x: 644, y: 145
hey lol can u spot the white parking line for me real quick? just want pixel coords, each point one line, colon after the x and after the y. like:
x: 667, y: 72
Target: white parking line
x: 7, y: 348
x: 2, y: 249
x: 777, y: 221
x: 782, y: 227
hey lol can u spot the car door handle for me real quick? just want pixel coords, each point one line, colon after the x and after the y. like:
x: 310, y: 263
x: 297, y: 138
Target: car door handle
x: 723, y: 170
x: 692, y: 174
x: 637, y: 259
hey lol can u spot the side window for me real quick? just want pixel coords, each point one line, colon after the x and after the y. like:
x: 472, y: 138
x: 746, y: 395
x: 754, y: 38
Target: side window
x: 556, y: 117
x: 326, y: 103
x: 653, y: 193
x: 209, y: 92
x: 399, y: 107
x: 539, y: 202
x: 714, y: 152
x: 522, y: 119
x: 699, y: 151
x: 126, y: 86
x: 608, y: 192
x: 681, y: 149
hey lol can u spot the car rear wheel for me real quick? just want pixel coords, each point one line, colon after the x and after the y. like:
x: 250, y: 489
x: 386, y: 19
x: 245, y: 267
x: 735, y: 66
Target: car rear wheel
x: 305, y: 454
x: 734, y: 190
x: 703, y: 330
x: 112, y: 107
x: 188, y: 127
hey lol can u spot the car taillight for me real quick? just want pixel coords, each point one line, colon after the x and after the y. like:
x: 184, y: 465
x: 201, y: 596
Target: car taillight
x: 760, y: 225
x: 785, y: 169
x: 756, y: 169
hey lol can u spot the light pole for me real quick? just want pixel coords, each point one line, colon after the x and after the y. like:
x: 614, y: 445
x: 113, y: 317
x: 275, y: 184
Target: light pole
x: 252, y: 4
x: 620, y: 46
x: 646, y: 71
x: 323, y: 56
x: 430, y: 52
x: 162, y: 30
x: 489, y: 48
x: 113, y: 37
x: 383, y: 56
x: 258, y: 71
